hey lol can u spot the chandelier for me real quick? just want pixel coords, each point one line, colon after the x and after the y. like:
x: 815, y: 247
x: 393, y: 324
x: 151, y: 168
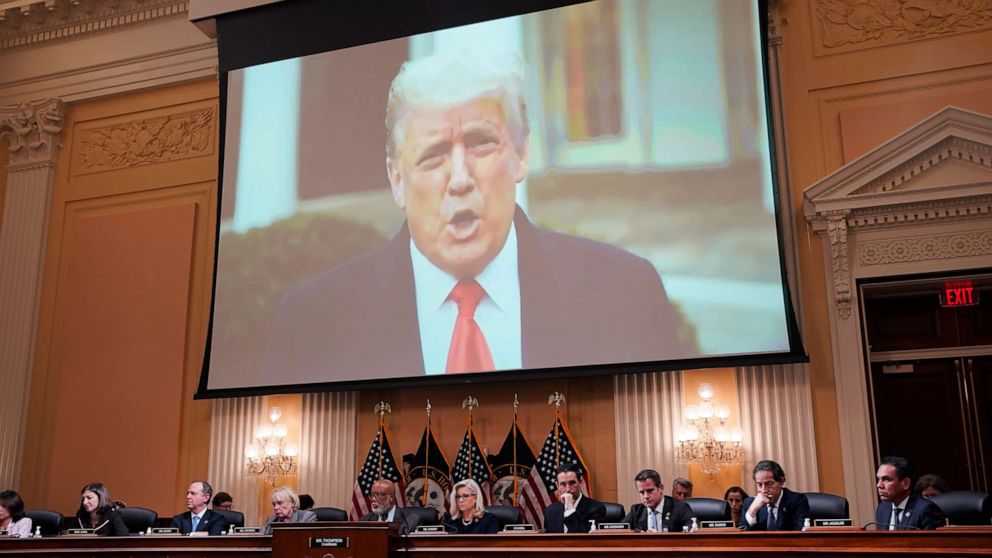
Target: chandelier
x: 705, y: 439
x: 270, y: 456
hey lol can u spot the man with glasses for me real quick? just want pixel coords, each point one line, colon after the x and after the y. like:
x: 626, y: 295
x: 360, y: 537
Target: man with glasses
x: 573, y: 512
x: 384, y: 508
x: 774, y: 507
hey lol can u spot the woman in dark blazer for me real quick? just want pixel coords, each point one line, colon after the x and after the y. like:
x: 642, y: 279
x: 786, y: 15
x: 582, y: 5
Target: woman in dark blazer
x: 467, y: 516
x: 97, y: 512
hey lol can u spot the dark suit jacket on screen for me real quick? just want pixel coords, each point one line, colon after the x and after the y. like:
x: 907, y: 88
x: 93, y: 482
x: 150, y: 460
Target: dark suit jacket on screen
x: 580, y: 301
x: 587, y: 509
x: 793, y: 509
x: 674, y: 514
x: 919, y: 513
x: 408, y: 521
x: 211, y: 522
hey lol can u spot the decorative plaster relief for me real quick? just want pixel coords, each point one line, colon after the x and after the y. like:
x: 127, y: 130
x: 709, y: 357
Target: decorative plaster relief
x: 837, y: 234
x: 33, y: 130
x: 30, y: 23
x: 147, y: 141
x: 925, y: 248
x: 845, y: 25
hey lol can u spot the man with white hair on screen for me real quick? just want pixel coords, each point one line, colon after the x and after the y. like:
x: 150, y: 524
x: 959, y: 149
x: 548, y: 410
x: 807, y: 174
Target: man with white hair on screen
x: 468, y: 284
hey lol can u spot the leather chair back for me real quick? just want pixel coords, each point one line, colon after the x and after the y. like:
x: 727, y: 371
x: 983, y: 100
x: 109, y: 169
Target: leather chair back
x: 505, y: 515
x: 138, y: 520
x: 50, y: 521
x: 231, y: 517
x: 709, y: 509
x: 827, y: 506
x: 428, y: 516
x: 964, y: 507
x: 330, y: 514
x: 614, y: 512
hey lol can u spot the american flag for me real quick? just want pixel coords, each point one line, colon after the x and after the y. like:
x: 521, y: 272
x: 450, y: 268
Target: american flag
x: 378, y: 465
x: 538, y: 493
x: 470, y: 463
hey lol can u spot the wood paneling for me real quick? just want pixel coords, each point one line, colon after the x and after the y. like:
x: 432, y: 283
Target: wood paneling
x: 125, y: 300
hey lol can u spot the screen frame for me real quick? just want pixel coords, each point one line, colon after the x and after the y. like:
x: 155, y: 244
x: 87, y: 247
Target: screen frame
x: 303, y: 27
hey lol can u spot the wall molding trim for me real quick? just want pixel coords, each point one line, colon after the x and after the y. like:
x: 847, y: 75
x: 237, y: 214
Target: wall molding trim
x: 919, y: 203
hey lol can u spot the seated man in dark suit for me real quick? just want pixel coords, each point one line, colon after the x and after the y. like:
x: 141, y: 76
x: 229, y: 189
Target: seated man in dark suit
x: 656, y: 512
x: 384, y: 507
x: 901, y: 507
x: 573, y: 511
x: 774, y: 507
x: 199, y: 519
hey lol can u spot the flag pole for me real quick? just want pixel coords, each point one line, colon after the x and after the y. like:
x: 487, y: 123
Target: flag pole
x: 427, y: 454
x: 557, y: 399
x: 381, y: 408
x: 516, y: 487
x: 470, y: 403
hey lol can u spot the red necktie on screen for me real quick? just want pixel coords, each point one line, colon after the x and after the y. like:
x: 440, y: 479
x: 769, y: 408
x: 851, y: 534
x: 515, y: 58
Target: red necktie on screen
x: 468, y: 351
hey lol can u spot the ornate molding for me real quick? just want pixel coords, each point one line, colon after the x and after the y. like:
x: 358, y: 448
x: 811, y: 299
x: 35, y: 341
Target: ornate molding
x: 926, y: 248
x: 146, y: 141
x: 837, y: 236
x: 33, y: 130
x: 32, y: 22
x: 845, y: 25
x: 946, y: 150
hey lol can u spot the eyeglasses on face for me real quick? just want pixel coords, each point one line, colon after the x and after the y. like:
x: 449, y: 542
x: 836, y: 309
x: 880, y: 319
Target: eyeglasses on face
x: 378, y: 496
x: 464, y: 496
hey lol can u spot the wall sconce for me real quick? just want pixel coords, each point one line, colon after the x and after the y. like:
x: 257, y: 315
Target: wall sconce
x: 706, y: 440
x: 270, y: 456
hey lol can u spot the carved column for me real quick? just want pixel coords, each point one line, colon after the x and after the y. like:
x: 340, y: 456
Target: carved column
x: 32, y: 131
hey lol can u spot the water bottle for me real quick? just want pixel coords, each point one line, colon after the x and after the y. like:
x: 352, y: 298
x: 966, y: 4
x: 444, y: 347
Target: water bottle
x: 806, y: 524
x: 592, y: 525
x: 695, y: 526
x: 37, y: 531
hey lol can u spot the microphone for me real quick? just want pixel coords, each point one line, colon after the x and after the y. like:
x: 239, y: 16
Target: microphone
x: 887, y: 525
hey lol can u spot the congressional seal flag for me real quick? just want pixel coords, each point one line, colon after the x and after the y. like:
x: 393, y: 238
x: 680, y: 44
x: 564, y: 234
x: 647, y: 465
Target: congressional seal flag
x: 428, y: 475
x: 379, y: 464
x: 539, y: 491
x: 470, y: 462
x: 511, y: 465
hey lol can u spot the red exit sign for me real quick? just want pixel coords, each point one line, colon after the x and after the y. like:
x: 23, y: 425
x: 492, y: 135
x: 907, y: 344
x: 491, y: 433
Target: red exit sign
x: 958, y: 293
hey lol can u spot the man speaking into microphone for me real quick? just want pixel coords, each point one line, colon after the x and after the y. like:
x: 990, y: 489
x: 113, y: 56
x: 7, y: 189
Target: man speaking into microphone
x: 774, y: 507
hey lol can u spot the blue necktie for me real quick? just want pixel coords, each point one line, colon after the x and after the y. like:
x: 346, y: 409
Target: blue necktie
x: 196, y: 522
x: 771, y: 518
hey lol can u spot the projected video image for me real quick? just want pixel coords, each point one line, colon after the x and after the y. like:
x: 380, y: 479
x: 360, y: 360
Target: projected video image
x: 589, y: 185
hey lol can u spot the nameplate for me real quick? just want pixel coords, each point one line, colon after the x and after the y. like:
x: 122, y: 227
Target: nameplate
x: 717, y: 525
x: 246, y: 530
x: 328, y: 542
x: 833, y: 523
x: 613, y: 527
x: 79, y: 531
x: 165, y: 531
x: 430, y: 529
x: 519, y: 528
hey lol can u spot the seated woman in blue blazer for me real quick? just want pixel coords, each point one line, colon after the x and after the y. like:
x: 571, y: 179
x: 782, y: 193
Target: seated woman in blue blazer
x: 467, y: 515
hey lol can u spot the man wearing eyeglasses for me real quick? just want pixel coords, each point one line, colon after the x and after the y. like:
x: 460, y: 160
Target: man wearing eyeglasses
x: 774, y: 507
x: 573, y: 512
x: 384, y: 508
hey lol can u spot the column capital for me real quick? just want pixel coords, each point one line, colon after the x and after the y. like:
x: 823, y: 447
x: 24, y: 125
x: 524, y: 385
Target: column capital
x: 33, y: 130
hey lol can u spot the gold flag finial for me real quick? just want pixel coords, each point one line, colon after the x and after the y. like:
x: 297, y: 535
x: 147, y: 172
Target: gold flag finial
x: 381, y: 408
x: 556, y: 399
x: 470, y: 403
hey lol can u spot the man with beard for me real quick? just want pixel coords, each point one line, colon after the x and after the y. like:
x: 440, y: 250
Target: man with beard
x: 384, y: 508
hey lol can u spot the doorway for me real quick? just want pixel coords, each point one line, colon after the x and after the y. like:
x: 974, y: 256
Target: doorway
x: 930, y: 374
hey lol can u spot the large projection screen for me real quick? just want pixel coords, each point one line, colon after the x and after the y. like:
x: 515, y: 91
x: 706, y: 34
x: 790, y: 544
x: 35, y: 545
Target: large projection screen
x: 585, y: 189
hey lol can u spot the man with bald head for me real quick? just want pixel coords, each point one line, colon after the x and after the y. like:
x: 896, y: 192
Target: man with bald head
x: 384, y: 507
x: 468, y: 284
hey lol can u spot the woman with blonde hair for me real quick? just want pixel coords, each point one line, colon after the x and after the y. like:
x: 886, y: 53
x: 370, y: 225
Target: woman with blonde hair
x: 286, y: 505
x: 467, y: 515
